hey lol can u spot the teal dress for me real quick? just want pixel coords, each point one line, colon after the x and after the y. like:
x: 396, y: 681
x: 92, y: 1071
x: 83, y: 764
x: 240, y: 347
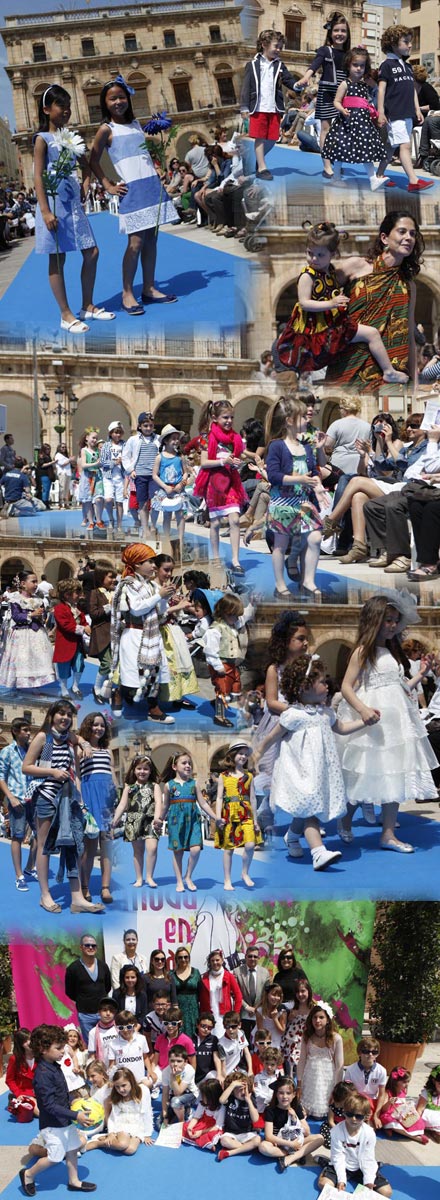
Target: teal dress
x: 184, y: 823
x: 187, y: 991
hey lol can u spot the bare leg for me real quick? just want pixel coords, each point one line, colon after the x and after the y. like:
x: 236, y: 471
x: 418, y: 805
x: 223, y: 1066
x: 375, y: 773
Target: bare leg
x: 108, y: 505
x: 311, y: 559
x: 177, y: 862
x: 248, y: 854
x: 214, y: 537
x: 88, y: 276
x: 311, y: 833
x: 119, y: 513
x: 148, y: 262
x: 259, y: 154
x: 357, y: 516
x: 367, y: 487
x: 143, y: 515
x: 193, y: 859
x: 152, y: 847
x: 30, y: 865
x: 43, y: 827
x: 234, y: 532
x: 138, y: 855
x: 129, y: 266
x: 106, y: 847
x: 227, y: 864
x: 281, y: 541
x: 88, y: 858
x: 370, y: 335
x: 58, y: 286
x: 325, y: 126
x: 389, y: 824
x: 77, y: 894
x: 406, y: 160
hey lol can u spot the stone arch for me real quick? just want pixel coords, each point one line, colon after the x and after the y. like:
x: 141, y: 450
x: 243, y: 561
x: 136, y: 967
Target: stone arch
x: 251, y: 406
x: 11, y: 566
x: 60, y: 568
x: 217, y: 757
x: 427, y: 310
x: 181, y: 411
x: 20, y: 423
x: 335, y: 653
x: 182, y: 140
x: 98, y: 410
x: 285, y: 302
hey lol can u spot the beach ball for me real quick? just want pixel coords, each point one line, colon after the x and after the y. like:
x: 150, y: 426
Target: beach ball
x: 94, y: 1110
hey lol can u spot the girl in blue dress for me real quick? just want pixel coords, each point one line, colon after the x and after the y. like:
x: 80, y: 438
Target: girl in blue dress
x: 143, y: 206
x: 99, y: 795
x: 171, y: 479
x: 182, y: 800
x: 67, y: 228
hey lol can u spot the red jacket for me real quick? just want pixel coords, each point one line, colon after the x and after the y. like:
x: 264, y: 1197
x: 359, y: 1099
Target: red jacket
x: 20, y: 1080
x: 66, y: 639
x: 231, y: 999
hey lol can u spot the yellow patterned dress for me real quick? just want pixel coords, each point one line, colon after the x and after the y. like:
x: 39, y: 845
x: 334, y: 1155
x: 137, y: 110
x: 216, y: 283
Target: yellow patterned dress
x: 312, y: 340
x: 237, y: 812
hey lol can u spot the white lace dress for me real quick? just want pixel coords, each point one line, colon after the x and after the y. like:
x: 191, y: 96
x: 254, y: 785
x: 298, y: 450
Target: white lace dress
x: 318, y: 1078
x: 390, y: 762
x: 307, y: 778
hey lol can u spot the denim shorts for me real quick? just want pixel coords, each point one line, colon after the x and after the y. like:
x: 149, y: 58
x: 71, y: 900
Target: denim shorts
x: 45, y: 808
x: 17, y: 821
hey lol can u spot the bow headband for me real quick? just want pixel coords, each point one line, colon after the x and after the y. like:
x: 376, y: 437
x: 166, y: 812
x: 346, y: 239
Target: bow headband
x: 325, y: 1007
x: 120, y: 79
x: 399, y: 1073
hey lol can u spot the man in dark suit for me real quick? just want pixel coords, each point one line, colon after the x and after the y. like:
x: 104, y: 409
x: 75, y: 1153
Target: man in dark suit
x: 251, y: 979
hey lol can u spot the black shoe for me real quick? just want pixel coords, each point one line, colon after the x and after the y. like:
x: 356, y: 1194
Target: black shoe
x: 81, y: 1187
x: 281, y: 1165
x: 223, y: 721
x: 98, y: 699
x: 188, y: 704
x: 28, y: 1188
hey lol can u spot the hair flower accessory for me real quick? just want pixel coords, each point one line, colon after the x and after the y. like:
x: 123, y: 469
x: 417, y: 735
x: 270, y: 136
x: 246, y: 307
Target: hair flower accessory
x: 326, y: 1008
x: 120, y: 79
x: 399, y: 1073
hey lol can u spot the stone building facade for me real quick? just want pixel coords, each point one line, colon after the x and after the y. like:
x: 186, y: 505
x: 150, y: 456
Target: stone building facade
x: 183, y: 57
x: 422, y: 17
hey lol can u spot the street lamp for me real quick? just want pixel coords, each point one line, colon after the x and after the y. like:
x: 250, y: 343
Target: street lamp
x: 60, y: 411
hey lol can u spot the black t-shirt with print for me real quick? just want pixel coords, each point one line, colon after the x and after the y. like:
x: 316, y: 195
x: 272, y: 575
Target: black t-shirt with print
x: 237, y: 1116
x: 205, y: 1055
x: 399, y: 96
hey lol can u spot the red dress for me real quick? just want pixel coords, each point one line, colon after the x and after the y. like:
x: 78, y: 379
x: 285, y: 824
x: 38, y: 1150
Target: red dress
x: 312, y: 340
x: 67, y: 641
x: 222, y: 487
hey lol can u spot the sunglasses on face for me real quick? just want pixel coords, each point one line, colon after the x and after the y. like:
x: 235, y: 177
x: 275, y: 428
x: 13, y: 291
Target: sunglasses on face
x: 159, y: 959
x: 355, y: 1116
x: 125, y: 1027
x: 374, y: 1053
x: 89, y: 945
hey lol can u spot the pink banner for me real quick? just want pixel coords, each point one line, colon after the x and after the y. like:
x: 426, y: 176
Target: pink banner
x: 39, y: 985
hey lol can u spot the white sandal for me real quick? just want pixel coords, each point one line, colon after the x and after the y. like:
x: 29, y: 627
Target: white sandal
x: 75, y: 326
x: 98, y: 314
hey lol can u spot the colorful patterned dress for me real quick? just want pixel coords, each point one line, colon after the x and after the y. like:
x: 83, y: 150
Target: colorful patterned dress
x: 312, y: 340
x: 237, y: 812
x: 381, y: 299
x: 183, y: 817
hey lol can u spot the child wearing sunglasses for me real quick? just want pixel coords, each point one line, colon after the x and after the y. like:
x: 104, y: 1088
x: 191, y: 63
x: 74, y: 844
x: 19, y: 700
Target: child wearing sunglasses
x: 368, y: 1076
x: 352, y: 1151
x: 129, y: 1048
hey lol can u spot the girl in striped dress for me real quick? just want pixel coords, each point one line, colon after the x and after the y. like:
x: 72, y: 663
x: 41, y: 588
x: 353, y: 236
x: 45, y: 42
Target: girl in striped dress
x: 141, y: 209
x: 52, y: 761
x: 98, y: 792
x: 329, y: 59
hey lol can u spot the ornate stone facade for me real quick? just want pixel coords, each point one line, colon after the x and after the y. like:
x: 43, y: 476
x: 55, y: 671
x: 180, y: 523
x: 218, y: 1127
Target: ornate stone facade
x: 185, y: 58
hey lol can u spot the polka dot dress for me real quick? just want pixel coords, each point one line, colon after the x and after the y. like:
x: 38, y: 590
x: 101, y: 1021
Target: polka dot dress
x: 354, y: 139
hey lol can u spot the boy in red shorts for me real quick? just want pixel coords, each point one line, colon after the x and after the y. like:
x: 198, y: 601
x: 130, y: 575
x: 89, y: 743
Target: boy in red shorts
x: 262, y: 96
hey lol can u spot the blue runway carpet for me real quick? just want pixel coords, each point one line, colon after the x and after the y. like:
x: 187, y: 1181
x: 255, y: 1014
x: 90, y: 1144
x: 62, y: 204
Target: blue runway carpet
x: 365, y: 871
x: 302, y: 172
x: 209, y: 284
x: 159, y: 1169
x: 24, y: 908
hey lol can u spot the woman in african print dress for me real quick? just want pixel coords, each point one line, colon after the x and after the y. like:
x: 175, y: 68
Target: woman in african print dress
x: 382, y: 293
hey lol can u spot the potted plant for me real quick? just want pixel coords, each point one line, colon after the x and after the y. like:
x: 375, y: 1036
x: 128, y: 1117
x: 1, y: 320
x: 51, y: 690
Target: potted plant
x: 405, y: 980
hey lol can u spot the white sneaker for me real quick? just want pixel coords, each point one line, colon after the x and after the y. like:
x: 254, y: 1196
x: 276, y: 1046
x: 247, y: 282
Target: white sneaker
x: 294, y: 847
x: 322, y: 858
x: 376, y: 182
x: 369, y: 814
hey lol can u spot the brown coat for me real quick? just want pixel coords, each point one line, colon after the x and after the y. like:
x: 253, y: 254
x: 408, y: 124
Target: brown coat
x: 100, y: 632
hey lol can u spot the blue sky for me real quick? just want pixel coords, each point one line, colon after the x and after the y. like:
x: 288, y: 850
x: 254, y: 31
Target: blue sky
x: 9, y: 7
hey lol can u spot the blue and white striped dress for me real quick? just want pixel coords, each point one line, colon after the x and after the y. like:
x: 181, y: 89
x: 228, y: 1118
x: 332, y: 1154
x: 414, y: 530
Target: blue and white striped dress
x: 138, y: 209
x: 97, y: 787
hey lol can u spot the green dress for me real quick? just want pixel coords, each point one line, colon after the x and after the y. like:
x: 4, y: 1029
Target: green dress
x: 187, y: 997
